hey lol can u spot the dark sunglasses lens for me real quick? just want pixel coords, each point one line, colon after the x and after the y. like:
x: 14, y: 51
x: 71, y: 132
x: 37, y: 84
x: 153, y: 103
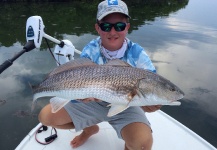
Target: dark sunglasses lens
x: 120, y: 26
x: 105, y: 27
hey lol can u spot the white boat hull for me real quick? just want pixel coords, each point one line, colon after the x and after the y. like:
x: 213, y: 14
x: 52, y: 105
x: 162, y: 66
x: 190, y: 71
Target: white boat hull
x: 168, y: 134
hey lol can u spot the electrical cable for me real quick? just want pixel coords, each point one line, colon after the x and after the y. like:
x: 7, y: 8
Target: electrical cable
x: 51, y: 52
x: 49, y: 139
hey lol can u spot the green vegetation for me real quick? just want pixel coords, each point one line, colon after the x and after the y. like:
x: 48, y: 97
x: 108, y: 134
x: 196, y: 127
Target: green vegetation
x: 72, y: 17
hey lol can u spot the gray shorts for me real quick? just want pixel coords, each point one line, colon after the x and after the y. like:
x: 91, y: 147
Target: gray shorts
x: 87, y: 114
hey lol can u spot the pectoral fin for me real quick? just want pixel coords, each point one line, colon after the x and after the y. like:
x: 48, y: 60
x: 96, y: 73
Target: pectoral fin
x: 116, y: 109
x: 57, y: 103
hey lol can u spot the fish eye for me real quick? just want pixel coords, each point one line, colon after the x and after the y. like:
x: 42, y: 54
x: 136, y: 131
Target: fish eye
x: 172, y: 89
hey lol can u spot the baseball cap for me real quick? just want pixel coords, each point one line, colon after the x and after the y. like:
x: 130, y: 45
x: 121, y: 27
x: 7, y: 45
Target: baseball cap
x: 107, y: 7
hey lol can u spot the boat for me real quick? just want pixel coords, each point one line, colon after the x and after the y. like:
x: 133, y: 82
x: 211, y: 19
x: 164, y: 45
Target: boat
x: 168, y: 133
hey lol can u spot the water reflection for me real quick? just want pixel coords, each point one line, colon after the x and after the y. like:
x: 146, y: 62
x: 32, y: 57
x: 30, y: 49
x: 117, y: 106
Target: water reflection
x: 187, y: 52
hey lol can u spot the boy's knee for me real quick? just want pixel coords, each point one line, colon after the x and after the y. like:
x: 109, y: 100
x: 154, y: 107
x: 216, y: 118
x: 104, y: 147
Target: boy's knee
x: 44, y: 116
x: 43, y: 119
x: 139, y: 144
x: 137, y: 136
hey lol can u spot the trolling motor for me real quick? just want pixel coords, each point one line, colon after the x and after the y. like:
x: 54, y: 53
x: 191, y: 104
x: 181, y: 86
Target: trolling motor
x: 64, y: 50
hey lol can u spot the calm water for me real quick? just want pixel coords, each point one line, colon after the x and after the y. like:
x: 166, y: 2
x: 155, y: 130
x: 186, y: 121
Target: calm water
x: 180, y: 38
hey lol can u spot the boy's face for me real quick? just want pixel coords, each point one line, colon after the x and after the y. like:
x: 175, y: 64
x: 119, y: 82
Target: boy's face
x: 113, y: 40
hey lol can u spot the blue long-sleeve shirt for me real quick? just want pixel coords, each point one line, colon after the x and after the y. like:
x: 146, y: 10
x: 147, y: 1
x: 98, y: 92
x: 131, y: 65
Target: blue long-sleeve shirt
x: 135, y: 55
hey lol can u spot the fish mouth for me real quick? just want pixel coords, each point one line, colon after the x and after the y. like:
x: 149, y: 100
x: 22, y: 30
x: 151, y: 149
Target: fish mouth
x: 178, y: 97
x: 176, y: 100
x: 182, y: 96
x: 182, y: 93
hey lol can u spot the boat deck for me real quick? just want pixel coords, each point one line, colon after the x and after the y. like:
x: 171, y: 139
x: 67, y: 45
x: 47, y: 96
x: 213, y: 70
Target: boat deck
x: 168, y: 134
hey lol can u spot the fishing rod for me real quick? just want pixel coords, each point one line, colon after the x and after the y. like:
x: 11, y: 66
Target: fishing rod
x: 64, y: 50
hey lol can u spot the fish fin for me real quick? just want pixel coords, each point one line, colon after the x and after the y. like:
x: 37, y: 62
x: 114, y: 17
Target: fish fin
x: 57, y: 103
x: 140, y: 95
x: 32, y: 87
x: 133, y: 93
x: 116, y: 109
x: 72, y: 64
x: 117, y: 62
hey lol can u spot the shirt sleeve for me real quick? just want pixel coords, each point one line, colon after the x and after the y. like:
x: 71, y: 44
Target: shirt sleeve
x: 145, y: 62
x: 92, y: 51
x: 85, y: 52
x: 141, y: 59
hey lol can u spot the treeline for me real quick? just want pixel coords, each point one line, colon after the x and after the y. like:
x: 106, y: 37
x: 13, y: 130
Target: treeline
x: 73, y: 17
x: 148, y: 2
x: 44, y: 0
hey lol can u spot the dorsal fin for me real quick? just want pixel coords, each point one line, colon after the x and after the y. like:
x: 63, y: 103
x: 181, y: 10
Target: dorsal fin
x: 117, y: 62
x: 72, y: 64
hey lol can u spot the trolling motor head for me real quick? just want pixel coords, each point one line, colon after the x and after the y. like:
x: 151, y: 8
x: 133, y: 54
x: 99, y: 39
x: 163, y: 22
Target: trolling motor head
x: 35, y: 30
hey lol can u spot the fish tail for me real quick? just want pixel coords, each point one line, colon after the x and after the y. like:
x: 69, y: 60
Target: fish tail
x: 32, y: 87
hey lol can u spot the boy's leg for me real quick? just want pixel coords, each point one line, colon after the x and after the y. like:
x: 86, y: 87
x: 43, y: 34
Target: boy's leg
x: 137, y: 136
x: 60, y: 119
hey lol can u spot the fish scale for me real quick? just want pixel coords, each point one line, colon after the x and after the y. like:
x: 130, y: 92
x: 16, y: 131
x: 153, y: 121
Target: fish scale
x: 86, y: 76
x: 116, y: 83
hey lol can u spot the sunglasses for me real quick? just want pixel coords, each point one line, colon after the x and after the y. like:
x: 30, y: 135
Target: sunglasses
x: 106, y: 27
